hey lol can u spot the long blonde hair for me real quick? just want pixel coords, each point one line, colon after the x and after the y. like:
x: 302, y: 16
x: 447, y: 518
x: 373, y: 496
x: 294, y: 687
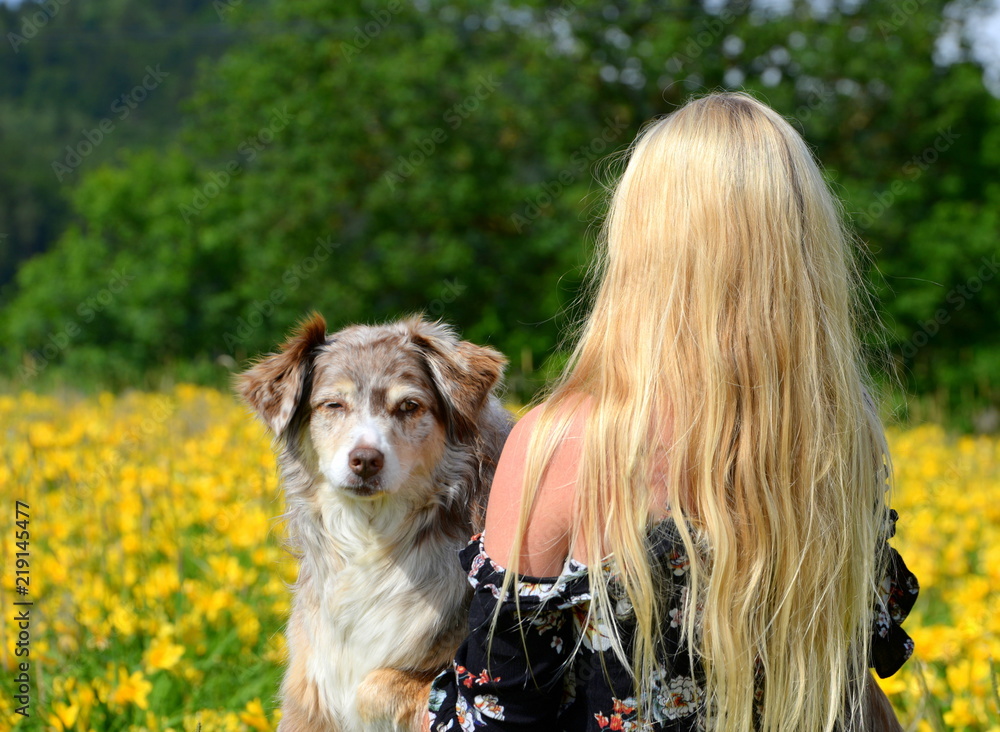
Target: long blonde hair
x: 721, y: 358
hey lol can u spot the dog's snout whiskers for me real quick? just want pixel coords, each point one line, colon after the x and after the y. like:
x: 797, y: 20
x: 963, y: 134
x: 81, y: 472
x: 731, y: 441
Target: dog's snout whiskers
x: 366, y: 461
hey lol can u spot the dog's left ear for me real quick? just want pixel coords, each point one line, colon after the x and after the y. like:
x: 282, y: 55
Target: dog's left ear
x: 463, y: 372
x: 274, y: 386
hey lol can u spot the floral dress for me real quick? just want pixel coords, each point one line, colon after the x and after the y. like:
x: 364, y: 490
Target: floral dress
x: 550, y: 671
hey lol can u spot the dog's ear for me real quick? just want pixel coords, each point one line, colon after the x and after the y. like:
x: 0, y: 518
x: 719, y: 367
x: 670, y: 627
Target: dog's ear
x: 273, y: 387
x: 463, y: 373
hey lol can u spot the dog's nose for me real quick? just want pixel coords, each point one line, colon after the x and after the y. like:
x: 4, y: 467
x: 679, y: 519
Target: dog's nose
x: 366, y: 461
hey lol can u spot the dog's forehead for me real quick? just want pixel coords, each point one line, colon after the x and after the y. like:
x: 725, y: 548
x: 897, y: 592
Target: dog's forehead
x: 370, y: 358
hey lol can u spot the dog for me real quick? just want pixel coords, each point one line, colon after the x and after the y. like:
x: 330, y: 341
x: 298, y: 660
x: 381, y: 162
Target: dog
x: 388, y: 437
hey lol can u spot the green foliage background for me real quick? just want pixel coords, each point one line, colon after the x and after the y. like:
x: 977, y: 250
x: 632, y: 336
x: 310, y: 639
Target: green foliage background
x: 370, y: 159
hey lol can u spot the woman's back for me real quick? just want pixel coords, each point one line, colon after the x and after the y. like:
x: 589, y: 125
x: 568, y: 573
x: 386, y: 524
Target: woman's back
x: 564, y: 648
x: 725, y: 305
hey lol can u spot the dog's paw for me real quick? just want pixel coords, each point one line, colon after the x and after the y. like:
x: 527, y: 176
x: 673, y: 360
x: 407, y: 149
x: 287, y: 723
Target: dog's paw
x: 389, y: 698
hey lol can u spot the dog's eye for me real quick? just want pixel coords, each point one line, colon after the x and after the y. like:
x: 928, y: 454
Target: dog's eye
x: 332, y: 405
x: 409, y: 406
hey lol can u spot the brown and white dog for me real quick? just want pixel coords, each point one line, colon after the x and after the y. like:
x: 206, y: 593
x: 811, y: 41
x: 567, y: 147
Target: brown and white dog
x: 388, y: 439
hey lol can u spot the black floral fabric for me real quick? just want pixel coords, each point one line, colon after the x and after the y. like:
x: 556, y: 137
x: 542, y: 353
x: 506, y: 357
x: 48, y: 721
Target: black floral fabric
x: 551, y: 665
x: 891, y: 646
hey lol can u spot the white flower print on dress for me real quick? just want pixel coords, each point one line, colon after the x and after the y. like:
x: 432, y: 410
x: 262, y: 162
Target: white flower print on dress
x: 594, y: 634
x: 489, y: 706
x: 468, y: 717
x: 679, y: 697
x: 678, y: 562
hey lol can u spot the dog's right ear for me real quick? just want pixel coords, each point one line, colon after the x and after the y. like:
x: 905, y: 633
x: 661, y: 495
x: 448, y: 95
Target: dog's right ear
x: 273, y: 387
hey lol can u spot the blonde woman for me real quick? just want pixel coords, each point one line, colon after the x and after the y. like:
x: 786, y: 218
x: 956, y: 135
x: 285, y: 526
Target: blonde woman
x: 689, y: 532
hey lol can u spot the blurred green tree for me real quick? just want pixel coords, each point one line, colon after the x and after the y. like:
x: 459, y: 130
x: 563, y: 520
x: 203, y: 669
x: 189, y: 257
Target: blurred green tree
x: 66, y: 68
x: 373, y: 159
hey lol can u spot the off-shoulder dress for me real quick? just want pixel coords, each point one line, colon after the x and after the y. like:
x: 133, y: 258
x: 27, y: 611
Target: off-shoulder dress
x: 532, y: 679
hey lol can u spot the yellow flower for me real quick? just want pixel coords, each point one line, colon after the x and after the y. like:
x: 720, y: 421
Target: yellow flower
x: 210, y: 604
x: 102, y: 689
x: 131, y: 689
x: 160, y: 583
x: 131, y: 544
x: 64, y: 715
x: 211, y: 720
x: 42, y: 435
x: 247, y: 624
x: 54, y: 570
x: 86, y: 698
x: 960, y: 715
x: 255, y: 717
x: 123, y: 620
x: 227, y: 571
x: 162, y: 654
x: 190, y: 674
x: 895, y: 684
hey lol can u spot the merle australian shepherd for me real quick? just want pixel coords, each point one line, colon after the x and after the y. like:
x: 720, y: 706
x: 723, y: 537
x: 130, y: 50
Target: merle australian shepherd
x: 388, y: 437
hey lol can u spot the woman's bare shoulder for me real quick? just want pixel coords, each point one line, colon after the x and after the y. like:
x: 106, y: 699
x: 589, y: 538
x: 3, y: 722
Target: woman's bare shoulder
x: 546, y: 542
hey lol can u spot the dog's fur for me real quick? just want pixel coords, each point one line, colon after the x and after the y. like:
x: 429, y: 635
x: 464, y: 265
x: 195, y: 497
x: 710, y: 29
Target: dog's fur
x: 388, y: 438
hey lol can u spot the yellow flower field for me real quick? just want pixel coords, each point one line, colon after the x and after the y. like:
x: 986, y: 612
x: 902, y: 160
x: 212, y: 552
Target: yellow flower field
x: 158, y: 581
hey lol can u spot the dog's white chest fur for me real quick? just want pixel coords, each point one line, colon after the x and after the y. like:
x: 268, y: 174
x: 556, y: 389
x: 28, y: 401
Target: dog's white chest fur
x: 370, y: 602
